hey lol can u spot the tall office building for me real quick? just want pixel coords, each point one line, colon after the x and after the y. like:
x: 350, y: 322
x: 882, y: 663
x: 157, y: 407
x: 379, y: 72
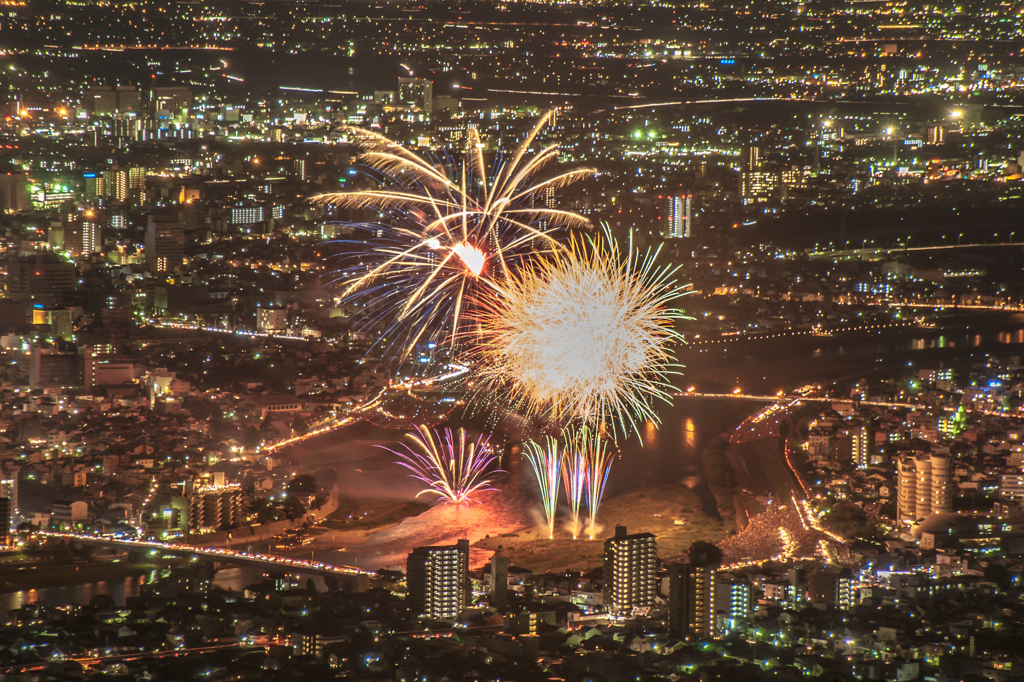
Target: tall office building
x: 100, y: 100
x: 437, y: 580
x: 52, y: 368
x: 44, y: 273
x: 165, y: 243
x: 14, y: 196
x: 629, y: 565
x: 499, y: 581
x: 106, y: 99
x: 680, y: 215
x: 691, y: 601
x: 127, y: 99
x: 417, y: 92
x: 924, y: 486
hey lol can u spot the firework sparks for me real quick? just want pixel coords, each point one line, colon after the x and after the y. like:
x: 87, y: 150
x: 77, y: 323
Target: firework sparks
x: 574, y: 477
x: 546, y: 461
x: 453, y: 468
x: 458, y: 227
x: 583, y: 333
x: 599, y: 464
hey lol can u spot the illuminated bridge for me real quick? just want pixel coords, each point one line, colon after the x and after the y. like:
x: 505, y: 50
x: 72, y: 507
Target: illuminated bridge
x: 348, y: 576
x: 791, y: 398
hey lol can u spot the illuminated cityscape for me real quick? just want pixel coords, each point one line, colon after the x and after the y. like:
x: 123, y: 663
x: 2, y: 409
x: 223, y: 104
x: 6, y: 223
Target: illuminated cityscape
x: 569, y: 341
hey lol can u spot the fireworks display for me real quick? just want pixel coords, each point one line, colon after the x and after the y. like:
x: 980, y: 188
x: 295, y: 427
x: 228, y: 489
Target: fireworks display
x: 574, y: 331
x: 456, y: 228
x: 546, y: 463
x: 453, y: 468
x: 584, y: 334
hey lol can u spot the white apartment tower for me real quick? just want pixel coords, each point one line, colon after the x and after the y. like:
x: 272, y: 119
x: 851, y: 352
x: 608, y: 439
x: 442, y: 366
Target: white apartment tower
x: 924, y: 486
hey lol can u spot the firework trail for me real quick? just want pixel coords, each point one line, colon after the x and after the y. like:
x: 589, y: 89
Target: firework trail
x: 456, y: 228
x: 574, y: 477
x: 546, y: 461
x: 599, y: 464
x: 583, y: 334
x: 452, y: 468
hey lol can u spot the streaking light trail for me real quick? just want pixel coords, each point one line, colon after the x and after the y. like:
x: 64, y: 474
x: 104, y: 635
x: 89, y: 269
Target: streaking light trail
x: 452, y: 468
x: 574, y: 476
x: 457, y: 228
x: 546, y: 462
x: 599, y: 464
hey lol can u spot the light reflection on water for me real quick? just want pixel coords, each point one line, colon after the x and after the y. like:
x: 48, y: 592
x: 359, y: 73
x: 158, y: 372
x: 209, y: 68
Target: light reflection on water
x: 690, y: 435
x: 234, y: 579
x: 650, y: 435
x: 76, y: 594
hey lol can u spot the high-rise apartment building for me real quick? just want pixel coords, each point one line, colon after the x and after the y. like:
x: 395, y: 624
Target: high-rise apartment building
x: 115, y: 185
x: 924, y: 486
x: 942, y: 484
x: 136, y: 178
x: 734, y: 601
x: 82, y: 232
x: 437, y: 580
x: 906, y: 490
x: 94, y: 186
x: 691, y: 601
x: 680, y: 215
x: 629, y: 565
x: 8, y: 507
x: 214, y: 507
x: 860, y: 445
x: 752, y: 157
x: 937, y: 135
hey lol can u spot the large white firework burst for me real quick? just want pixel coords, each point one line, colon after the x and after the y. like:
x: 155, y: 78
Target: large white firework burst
x: 583, y: 334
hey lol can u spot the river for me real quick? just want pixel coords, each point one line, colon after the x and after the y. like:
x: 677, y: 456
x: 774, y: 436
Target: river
x: 669, y: 453
x: 234, y: 579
